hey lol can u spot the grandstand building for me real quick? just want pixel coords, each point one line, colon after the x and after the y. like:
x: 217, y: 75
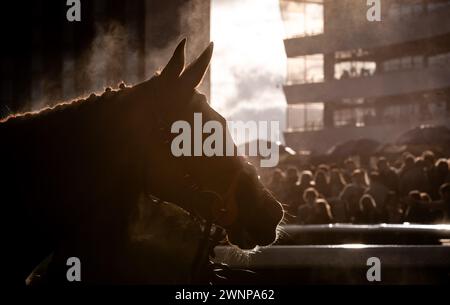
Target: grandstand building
x: 350, y: 78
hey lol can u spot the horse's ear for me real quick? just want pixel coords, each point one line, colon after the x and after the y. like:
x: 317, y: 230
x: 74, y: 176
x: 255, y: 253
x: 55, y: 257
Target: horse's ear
x: 175, y: 65
x: 194, y: 74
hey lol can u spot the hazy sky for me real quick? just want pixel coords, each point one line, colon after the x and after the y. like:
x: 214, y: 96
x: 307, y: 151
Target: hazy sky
x: 249, y: 63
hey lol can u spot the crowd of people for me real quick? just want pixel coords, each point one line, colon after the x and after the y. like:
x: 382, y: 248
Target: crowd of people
x: 413, y: 189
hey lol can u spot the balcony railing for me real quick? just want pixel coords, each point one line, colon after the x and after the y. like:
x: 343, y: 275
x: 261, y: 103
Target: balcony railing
x: 368, y: 35
x: 377, y: 85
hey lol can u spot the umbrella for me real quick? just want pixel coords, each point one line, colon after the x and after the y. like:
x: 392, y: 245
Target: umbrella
x: 425, y: 135
x: 392, y: 149
x: 359, y: 147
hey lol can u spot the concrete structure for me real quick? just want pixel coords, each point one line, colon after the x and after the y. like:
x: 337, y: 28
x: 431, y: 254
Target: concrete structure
x: 375, y: 79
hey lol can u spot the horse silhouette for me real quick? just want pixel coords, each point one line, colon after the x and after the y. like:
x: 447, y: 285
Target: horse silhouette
x: 73, y: 175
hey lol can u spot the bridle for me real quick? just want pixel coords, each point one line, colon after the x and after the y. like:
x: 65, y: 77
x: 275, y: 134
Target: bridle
x: 224, y: 209
x: 224, y: 212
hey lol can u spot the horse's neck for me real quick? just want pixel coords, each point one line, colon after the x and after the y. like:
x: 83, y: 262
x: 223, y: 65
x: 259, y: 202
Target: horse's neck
x: 57, y: 133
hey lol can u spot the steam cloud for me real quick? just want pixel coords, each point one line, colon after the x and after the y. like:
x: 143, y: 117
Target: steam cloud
x: 113, y: 56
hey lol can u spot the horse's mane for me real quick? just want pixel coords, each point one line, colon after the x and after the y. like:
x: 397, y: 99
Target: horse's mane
x: 78, y: 103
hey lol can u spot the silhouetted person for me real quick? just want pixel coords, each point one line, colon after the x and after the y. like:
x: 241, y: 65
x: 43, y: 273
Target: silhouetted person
x: 387, y: 175
x: 369, y: 212
x: 378, y: 190
x: 337, y: 183
x: 413, y: 176
x: 393, y: 211
x: 324, y: 167
x: 315, y: 210
x: 306, y: 181
x: 321, y: 183
x: 345, y: 74
x: 365, y: 72
x: 338, y: 210
x: 416, y: 211
x: 438, y: 174
x: 349, y: 168
x: 292, y: 194
x: 440, y: 209
x: 425, y: 197
x: 429, y: 158
x: 353, y: 192
x: 276, y: 185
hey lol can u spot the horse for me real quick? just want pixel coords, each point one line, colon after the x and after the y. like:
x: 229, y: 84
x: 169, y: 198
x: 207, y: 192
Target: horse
x: 73, y: 175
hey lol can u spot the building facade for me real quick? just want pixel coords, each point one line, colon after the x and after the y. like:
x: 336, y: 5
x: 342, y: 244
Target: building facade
x: 361, y: 79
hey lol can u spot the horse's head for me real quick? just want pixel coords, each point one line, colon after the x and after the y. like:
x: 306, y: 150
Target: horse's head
x: 224, y: 186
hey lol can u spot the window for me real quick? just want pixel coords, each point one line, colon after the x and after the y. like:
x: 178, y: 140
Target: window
x: 354, y: 69
x: 404, y: 63
x: 305, y: 117
x: 439, y: 60
x: 355, y: 117
x: 305, y: 69
x: 418, y: 61
x: 391, y: 65
x: 301, y: 19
